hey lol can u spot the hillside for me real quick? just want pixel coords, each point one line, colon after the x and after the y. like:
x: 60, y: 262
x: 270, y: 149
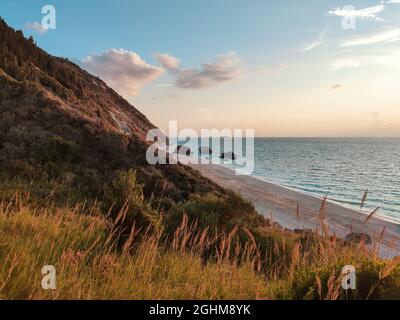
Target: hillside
x: 58, y: 121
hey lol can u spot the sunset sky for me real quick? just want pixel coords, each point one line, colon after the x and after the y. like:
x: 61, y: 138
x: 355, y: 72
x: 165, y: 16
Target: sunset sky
x: 283, y: 68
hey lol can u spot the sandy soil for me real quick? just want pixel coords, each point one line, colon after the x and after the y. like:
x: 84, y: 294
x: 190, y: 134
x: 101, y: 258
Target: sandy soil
x: 280, y: 203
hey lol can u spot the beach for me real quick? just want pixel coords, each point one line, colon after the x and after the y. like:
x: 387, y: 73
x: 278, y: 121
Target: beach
x: 280, y: 205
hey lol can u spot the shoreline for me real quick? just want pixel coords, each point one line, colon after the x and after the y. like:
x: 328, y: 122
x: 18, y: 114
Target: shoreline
x: 279, y: 203
x: 345, y: 205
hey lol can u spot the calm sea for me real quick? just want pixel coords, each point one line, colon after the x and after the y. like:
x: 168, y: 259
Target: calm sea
x: 342, y: 168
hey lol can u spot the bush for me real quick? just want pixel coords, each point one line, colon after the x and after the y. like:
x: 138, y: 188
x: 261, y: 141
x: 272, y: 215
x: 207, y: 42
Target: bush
x: 21, y: 168
x: 215, y: 211
x: 58, y: 150
x: 125, y: 197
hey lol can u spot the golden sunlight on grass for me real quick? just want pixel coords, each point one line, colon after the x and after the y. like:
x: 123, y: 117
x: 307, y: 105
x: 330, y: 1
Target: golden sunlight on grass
x: 93, y: 260
x: 90, y: 265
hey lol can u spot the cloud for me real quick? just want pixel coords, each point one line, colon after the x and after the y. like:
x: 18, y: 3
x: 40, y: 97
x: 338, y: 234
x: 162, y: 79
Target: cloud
x: 387, y: 36
x: 36, y: 27
x: 351, y: 12
x: 393, y: 1
x: 225, y: 68
x: 316, y: 43
x: 389, y: 59
x: 345, y: 64
x: 167, y: 61
x: 123, y: 70
x: 376, y: 117
x: 336, y: 86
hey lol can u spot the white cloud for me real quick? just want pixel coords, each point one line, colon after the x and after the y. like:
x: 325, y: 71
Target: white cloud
x: 316, y: 43
x: 36, y: 27
x: 393, y: 1
x: 225, y: 68
x: 167, y: 61
x: 382, y: 37
x: 366, y: 13
x: 389, y: 59
x: 123, y: 70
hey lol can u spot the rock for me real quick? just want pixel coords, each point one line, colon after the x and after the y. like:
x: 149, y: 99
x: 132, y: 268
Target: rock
x: 355, y: 237
x: 228, y: 155
x: 182, y: 150
x: 205, y: 150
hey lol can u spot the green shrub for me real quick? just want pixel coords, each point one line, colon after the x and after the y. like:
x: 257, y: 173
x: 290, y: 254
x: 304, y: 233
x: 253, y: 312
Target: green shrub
x: 125, y: 197
x: 58, y: 150
x: 222, y: 212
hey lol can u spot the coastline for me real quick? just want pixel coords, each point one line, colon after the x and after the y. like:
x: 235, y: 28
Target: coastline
x: 345, y: 205
x: 279, y: 203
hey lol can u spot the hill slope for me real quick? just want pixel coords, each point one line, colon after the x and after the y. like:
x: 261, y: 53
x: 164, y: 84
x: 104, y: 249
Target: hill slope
x: 58, y: 121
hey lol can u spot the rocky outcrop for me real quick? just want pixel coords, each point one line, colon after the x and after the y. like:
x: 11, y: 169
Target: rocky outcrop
x: 228, y: 155
x: 357, y: 238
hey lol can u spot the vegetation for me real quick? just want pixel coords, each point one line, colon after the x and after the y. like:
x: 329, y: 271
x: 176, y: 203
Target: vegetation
x: 80, y: 243
x: 94, y: 260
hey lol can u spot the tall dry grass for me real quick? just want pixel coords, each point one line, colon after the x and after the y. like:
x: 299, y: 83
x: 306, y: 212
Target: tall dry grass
x: 83, y: 247
x: 94, y: 261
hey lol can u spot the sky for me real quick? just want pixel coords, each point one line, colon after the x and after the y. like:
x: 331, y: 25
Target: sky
x: 283, y: 68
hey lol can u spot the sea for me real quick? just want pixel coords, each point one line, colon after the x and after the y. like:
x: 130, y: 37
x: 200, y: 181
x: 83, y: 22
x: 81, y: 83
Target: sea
x: 340, y: 168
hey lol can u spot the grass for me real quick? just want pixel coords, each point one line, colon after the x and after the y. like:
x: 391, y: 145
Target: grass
x: 94, y: 261
x: 90, y: 265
